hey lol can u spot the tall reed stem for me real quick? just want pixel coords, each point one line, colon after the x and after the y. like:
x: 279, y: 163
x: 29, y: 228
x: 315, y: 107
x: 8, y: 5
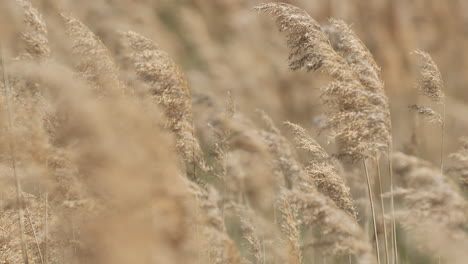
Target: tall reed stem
x: 379, y: 177
x: 19, y: 201
x: 46, y: 237
x: 371, y: 200
x: 392, y: 203
x: 442, y: 141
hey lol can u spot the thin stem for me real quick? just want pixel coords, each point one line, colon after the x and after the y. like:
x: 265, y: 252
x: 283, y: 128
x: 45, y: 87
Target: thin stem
x: 46, y: 253
x: 371, y: 200
x: 379, y: 177
x: 392, y: 203
x: 35, y: 235
x: 19, y: 201
x: 442, y: 141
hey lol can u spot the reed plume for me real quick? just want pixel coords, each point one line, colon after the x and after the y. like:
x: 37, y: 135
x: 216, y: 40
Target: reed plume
x: 35, y: 38
x: 430, y: 115
x: 357, y: 118
x: 169, y: 88
x: 284, y: 159
x: 291, y: 228
x: 96, y: 64
x: 321, y: 169
x: 430, y: 83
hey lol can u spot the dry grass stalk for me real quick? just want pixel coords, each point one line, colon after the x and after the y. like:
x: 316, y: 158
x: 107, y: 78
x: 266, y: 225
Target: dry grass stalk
x: 431, y: 85
x: 430, y: 82
x: 37, y: 43
x: 291, y: 229
x: 221, y: 248
x: 325, y: 175
x: 96, y: 64
x: 265, y: 242
x: 430, y: 115
x: 357, y: 116
x: 284, y: 159
x: 169, y: 88
x: 340, y: 233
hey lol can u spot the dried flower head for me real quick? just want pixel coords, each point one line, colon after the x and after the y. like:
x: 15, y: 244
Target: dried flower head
x: 35, y: 38
x: 358, y: 115
x: 169, y: 88
x: 340, y: 233
x: 430, y: 82
x: 323, y: 172
x: 429, y: 114
x: 96, y: 64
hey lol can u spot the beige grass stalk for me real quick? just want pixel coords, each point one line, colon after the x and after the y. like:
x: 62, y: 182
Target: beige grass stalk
x: 324, y: 173
x: 369, y: 188
x: 12, y: 149
x: 290, y: 227
x: 431, y: 85
x: 221, y: 249
x: 358, y: 108
x: 169, y: 88
x: 28, y: 215
x: 340, y: 232
x: 382, y: 205
x: 348, y: 44
x: 95, y: 62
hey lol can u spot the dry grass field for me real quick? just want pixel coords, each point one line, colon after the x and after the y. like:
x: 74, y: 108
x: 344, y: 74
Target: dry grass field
x: 234, y: 131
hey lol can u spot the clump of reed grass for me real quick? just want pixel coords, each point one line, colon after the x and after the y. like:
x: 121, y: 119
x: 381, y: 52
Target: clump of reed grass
x: 358, y: 117
x: 302, y: 205
x: 220, y: 247
x: 431, y: 202
x: 358, y: 112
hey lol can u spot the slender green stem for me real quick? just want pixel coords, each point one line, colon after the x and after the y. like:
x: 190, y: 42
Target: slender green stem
x: 371, y: 200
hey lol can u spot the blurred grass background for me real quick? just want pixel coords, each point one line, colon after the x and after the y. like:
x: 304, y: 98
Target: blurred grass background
x: 223, y: 46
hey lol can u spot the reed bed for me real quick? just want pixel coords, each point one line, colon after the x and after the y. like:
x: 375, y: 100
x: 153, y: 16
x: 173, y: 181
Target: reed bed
x: 120, y: 145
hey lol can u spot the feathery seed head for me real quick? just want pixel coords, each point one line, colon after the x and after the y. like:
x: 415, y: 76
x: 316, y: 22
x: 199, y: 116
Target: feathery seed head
x: 429, y: 114
x: 169, y: 88
x: 37, y: 44
x: 355, y: 93
x: 430, y: 82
